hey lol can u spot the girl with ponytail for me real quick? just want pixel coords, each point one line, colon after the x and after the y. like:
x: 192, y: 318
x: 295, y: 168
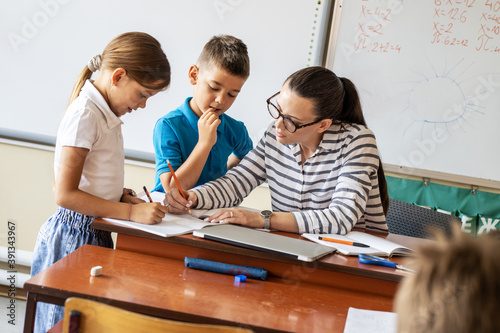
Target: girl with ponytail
x: 89, y: 155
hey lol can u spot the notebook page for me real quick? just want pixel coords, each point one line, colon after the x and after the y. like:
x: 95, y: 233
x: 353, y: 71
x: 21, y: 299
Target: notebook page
x: 347, y: 250
x: 362, y: 321
x: 171, y: 225
x: 380, y: 243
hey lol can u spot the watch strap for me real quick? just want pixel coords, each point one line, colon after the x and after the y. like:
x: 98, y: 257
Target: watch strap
x: 267, y: 222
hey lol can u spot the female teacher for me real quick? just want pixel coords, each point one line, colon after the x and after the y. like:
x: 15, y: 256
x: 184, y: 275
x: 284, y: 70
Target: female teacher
x: 319, y: 158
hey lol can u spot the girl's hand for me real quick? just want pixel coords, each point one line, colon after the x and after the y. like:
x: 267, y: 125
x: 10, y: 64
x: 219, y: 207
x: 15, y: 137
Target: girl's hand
x: 207, y: 128
x: 176, y: 203
x: 148, y: 213
x: 237, y: 216
x: 136, y: 201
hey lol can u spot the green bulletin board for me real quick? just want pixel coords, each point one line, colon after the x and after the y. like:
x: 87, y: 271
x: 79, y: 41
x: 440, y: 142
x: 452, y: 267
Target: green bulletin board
x: 479, y: 211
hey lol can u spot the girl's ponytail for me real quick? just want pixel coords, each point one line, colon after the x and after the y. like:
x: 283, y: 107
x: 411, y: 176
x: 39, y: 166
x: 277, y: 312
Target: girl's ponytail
x: 84, y: 76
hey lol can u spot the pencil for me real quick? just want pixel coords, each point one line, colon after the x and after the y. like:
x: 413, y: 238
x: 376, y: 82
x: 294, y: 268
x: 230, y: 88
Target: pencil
x: 147, y: 193
x: 333, y: 240
x: 177, y: 182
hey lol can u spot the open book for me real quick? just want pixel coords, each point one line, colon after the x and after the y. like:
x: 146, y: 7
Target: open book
x: 171, y: 225
x: 377, y: 245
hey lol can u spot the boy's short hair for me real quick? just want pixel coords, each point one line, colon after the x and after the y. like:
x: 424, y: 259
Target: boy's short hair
x: 227, y: 53
x: 455, y: 287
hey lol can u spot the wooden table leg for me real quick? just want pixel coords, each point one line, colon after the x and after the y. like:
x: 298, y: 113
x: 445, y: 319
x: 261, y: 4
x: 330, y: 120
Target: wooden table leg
x: 29, y: 318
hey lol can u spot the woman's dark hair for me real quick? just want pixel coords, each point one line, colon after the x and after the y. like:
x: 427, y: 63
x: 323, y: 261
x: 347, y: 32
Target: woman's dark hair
x: 337, y: 99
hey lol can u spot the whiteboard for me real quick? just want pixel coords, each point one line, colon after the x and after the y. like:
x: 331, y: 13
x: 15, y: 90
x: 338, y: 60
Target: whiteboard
x: 46, y: 43
x: 428, y: 74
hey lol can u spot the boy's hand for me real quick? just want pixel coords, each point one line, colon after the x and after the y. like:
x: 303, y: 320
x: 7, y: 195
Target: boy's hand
x: 148, y: 213
x: 207, y: 128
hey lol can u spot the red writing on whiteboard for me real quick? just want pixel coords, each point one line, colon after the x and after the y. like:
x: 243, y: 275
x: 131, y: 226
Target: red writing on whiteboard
x: 448, y: 15
x: 467, y: 3
x: 489, y: 27
x: 377, y: 12
x: 440, y: 30
x: 374, y: 17
x: 493, y: 5
x: 363, y: 44
x: 487, y: 35
x: 454, y: 14
x: 384, y: 47
x: 492, y: 17
x: 370, y: 28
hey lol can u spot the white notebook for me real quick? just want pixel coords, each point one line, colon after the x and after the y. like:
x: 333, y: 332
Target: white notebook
x: 362, y: 321
x: 378, y: 246
x: 171, y: 225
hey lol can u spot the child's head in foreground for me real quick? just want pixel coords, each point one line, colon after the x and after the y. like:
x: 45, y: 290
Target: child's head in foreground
x: 455, y: 288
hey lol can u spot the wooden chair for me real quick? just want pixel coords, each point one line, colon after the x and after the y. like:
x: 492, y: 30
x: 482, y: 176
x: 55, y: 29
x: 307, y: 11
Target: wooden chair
x: 98, y: 317
x: 411, y: 220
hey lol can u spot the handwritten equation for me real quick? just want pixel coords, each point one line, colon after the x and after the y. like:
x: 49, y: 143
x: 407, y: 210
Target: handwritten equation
x: 374, y: 17
x: 454, y: 20
x: 458, y: 24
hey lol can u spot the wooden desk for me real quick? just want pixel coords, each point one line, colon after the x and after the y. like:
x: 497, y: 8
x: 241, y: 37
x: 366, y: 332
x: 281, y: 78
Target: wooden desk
x: 166, y: 288
x: 333, y: 270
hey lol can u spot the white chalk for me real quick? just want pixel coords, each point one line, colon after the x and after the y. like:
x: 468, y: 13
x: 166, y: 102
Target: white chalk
x: 96, y: 271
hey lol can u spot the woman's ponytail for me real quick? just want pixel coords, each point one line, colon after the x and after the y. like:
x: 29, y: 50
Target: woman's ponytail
x: 352, y: 113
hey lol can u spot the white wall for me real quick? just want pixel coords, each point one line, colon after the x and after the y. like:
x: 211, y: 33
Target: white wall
x: 27, y: 196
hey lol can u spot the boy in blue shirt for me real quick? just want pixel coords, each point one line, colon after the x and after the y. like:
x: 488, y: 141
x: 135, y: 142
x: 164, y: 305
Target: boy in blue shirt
x: 199, y: 140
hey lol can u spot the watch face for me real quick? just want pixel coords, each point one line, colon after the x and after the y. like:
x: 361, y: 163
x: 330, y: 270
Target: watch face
x: 266, y: 213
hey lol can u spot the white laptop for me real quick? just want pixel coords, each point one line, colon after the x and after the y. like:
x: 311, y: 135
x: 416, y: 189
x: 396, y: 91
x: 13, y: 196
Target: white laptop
x: 264, y: 241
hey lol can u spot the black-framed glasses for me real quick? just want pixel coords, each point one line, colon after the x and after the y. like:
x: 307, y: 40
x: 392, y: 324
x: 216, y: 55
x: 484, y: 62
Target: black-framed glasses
x: 289, y: 124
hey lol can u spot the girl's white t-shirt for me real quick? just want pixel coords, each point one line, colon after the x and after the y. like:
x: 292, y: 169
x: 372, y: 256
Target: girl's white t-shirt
x: 89, y: 123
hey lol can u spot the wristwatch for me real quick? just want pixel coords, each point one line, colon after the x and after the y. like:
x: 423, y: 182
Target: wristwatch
x: 266, y: 214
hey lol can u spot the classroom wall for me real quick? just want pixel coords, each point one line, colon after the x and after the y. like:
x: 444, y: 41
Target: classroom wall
x: 27, y: 196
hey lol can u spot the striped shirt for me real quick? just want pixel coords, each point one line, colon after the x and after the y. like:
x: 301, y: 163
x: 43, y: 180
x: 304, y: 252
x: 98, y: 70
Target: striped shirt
x: 335, y: 189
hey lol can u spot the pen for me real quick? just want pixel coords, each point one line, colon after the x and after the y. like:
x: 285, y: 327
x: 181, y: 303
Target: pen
x: 177, y: 182
x: 333, y: 240
x: 147, y: 193
x: 374, y: 260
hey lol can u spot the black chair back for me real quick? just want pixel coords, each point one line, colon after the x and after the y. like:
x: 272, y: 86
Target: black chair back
x: 411, y: 220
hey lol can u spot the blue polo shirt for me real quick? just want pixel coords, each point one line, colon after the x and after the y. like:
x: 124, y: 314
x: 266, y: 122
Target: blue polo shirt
x: 176, y: 134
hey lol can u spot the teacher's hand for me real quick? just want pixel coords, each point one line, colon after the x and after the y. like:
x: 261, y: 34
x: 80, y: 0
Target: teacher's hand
x: 175, y: 202
x: 239, y: 216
